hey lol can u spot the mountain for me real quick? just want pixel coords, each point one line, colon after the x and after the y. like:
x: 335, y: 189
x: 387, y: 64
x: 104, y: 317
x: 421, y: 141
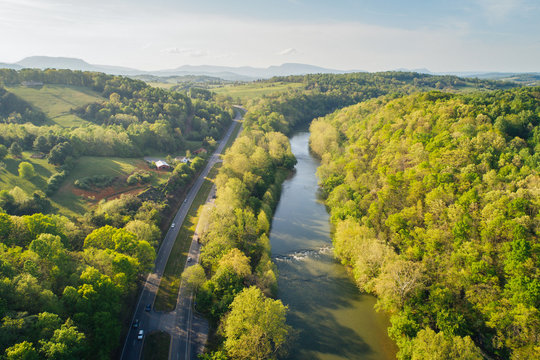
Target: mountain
x: 243, y: 73
x: 45, y: 62
x: 10, y: 66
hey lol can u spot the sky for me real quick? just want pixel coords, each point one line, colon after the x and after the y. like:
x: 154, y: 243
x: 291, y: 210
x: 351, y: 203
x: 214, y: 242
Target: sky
x: 369, y: 35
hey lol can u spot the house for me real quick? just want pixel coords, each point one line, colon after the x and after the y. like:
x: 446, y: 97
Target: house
x: 182, y: 159
x: 200, y: 151
x: 161, y: 165
x: 31, y: 83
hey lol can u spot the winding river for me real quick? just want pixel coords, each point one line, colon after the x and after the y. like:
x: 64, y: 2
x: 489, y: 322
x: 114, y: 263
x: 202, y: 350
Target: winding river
x: 333, y: 320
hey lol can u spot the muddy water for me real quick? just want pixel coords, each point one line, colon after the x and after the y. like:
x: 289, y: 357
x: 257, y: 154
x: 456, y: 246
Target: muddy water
x: 334, y: 321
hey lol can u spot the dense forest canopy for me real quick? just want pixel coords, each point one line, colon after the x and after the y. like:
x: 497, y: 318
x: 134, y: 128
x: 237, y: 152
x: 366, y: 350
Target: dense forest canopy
x: 435, y: 202
x: 323, y: 93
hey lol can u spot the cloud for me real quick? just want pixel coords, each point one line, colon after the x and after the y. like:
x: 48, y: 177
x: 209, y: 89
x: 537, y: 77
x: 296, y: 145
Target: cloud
x: 288, y: 51
x: 499, y: 9
x: 189, y: 52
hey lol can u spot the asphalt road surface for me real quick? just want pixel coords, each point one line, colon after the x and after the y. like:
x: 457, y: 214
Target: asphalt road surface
x: 188, y: 331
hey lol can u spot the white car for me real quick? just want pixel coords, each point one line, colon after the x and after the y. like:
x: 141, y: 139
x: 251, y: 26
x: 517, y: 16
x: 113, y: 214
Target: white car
x: 172, y: 226
x: 140, y: 335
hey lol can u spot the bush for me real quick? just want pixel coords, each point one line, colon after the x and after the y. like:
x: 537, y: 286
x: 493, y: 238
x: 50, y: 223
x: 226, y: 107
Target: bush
x: 54, y: 182
x: 139, y: 177
x: 99, y: 181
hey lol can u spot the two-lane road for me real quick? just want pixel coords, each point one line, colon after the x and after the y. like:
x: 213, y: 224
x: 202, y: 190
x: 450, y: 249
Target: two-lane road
x: 176, y: 322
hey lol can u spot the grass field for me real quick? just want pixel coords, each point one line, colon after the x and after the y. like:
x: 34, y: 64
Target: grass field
x: 57, y: 100
x: 156, y: 346
x: 9, y: 176
x: 255, y: 89
x: 170, y: 282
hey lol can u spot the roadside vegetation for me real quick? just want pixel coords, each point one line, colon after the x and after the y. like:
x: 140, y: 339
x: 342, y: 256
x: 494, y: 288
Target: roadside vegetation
x: 156, y: 346
x: 170, y: 281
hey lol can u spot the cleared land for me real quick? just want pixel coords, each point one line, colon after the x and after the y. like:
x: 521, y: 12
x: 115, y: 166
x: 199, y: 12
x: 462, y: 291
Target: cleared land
x: 255, y: 89
x: 170, y: 281
x: 78, y: 201
x: 56, y: 101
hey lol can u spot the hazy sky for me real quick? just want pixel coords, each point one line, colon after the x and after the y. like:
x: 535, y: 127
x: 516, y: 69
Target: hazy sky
x: 441, y: 35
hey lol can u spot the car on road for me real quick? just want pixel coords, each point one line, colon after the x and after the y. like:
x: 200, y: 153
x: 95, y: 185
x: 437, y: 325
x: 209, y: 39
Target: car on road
x: 148, y: 307
x: 140, y: 335
x: 136, y: 323
x: 189, y: 259
x: 172, y: 225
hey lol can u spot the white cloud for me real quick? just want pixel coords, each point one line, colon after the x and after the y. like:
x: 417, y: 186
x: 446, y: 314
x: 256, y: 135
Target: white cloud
x: 497, y: 10
x: 288, y: 51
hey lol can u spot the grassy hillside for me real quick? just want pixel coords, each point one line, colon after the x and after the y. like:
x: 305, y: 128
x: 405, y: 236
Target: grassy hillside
x: 255, y: 89
x: 56, y: 101
x: 69, y: 200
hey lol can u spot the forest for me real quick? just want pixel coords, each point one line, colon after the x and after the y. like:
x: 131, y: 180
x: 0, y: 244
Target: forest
x: 434, y: 199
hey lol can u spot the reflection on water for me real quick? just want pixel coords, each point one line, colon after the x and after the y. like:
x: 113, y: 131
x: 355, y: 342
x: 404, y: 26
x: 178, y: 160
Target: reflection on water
x: 334, y: 320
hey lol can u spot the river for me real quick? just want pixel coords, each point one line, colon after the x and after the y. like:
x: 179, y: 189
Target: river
x: 333, y: 320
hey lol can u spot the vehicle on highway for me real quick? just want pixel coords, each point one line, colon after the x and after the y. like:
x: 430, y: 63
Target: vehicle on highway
x: 140, y: 335
x: 172, y: 225
x: 136, y: 323
x: 148, y: 307
x: 189, y: 259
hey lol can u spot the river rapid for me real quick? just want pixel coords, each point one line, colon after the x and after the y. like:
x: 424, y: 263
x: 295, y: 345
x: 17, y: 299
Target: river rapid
x: 333, y: 319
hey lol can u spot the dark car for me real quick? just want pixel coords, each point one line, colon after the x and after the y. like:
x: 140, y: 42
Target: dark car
x: 136, y: 323
x: 148, y: 307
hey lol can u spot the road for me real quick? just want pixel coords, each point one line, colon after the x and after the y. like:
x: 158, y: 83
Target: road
x: 187, y: 330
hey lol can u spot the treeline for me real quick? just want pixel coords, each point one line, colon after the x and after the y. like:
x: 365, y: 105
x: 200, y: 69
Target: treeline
x: 237, y: 273
x: 64, y: 286
x: 324, y: 93
x: 134, y: 120
x: 434, y: 198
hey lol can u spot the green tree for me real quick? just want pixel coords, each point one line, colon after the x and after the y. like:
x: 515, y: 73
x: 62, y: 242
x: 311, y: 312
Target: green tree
x: 194, y: 276
x: 15, y: 149
x: 3, y: 152
x: 429, y: 345
x: 26, y: 170
x: 22, y: 351
x: 255, y: 328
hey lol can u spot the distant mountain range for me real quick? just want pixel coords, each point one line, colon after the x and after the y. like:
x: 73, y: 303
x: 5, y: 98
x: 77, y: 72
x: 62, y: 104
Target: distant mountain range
x: 243, y: 73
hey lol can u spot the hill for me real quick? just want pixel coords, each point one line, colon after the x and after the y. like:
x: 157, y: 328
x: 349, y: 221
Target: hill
x: 434, y: 198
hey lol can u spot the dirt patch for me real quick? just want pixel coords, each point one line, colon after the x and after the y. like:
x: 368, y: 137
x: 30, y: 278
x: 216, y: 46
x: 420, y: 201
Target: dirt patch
x: 108, y: 193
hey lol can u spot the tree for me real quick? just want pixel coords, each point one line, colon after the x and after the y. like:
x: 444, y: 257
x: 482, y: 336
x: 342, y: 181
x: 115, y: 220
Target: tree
x: 26, y: 170
x: 41, y: 144
x: 3, y: 152
x: 255, y: 328
x: 194, y: 276
x: 15, y: 149
x: 66, y: 343
x: 429, y: 345
x: 397, y: 281
x: 22, y: 351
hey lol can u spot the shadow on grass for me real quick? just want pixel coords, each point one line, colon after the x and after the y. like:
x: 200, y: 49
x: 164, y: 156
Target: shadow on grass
x: 156, y: 346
